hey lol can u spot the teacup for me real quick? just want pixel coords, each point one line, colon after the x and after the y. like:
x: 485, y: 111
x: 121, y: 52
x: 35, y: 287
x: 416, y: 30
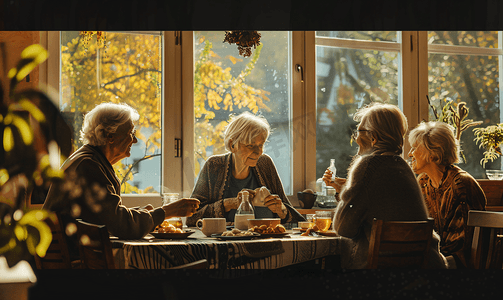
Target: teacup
x: 211, y: 225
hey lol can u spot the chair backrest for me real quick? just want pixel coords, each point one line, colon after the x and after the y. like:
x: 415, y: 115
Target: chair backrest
x: 57, y: 255
x: 399, y: 244
x: 487, y: 248
x: 95, y: 247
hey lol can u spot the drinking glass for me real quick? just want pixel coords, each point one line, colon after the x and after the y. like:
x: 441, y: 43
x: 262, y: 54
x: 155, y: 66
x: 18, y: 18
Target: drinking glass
x: 169, y: 197
x: 323, y: 220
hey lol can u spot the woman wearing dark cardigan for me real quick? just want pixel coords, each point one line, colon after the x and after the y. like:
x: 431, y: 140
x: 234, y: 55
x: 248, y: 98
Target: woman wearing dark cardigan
x: 380, y: 185
x: 223, y: 178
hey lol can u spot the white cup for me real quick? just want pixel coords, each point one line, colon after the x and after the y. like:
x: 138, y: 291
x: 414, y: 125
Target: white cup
x: 211, y: 225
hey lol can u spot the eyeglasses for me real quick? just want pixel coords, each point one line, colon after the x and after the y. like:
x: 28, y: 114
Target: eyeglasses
x: 355, y: 133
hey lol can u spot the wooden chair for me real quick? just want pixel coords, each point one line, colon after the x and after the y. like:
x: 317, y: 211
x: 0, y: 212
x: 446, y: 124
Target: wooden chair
x: 486, y: 252
x: 57, y: 255
x: 95, y: 247
x: 399, y: 244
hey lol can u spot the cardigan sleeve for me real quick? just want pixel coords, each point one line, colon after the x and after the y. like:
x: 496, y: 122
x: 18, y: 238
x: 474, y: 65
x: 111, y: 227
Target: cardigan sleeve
x: 351, y: 210
x: 210, y: 207
x: 103, y: 205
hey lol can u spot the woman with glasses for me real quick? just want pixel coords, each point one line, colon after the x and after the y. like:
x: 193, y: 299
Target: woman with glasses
x: 224, y: 177
x: 449, y: 191
x: 91, y: 190
x: 380, y: 184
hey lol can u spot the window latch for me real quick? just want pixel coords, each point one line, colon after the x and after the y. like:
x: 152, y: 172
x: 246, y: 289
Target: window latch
x: 298, y: 68
x: 178, y: 147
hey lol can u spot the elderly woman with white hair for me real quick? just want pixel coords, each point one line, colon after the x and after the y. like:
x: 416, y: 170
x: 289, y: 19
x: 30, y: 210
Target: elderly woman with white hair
x: 91, y: 190
x: 245, y: 167
x: 449, y: 191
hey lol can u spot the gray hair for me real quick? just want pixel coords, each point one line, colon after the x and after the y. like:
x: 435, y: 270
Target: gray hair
x: 245, y: 127
x: 386, y: 123
x: 438, y: 138
x: 103, y: 120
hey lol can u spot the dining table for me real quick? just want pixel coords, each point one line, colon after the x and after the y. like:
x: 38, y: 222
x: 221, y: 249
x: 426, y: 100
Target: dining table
x: 258, y: 253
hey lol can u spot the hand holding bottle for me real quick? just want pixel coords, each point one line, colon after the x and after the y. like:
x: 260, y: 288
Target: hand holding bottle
x: 332, y: 181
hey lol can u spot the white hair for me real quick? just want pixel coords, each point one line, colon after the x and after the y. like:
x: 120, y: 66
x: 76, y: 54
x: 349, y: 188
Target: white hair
x: 104, y: 120
x: 245, y: 127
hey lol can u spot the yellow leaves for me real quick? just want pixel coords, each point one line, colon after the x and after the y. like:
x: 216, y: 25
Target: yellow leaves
x: 8, y: 139
x: 31, y: 57
x: 4, y: 176
x: 233, y: 59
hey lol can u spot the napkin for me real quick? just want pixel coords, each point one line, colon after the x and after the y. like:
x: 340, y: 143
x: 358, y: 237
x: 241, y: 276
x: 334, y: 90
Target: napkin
x: 260, y: 194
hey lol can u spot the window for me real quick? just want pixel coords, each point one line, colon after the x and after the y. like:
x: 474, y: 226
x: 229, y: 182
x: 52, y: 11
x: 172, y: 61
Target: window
x: 352, y: 69
x: 465, y: 66
x: 226, y: 83
x: 307, y: 84
x: 123, y: 67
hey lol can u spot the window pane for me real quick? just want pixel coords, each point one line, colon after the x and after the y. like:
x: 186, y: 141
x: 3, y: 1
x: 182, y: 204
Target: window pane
x: 471, y: 79
x: 226, y: 83
x: 383, y: 36
x: 346, y: 80
x: 485, y: 39
x: 126, y: 68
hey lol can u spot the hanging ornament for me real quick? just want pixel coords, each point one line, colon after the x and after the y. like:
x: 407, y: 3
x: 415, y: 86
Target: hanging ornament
x: 101, y: 39
x: 244, y: 39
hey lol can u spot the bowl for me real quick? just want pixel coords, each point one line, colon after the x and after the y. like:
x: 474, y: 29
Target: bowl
x: 272, y: 222
x: 494, y: 174
x: 306, y: 200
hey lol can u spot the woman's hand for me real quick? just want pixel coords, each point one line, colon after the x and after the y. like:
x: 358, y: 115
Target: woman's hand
x: 148, y: 207
x: 233, y: 203
x: 184, y: 207
x: 337, y: 183
x: 274, y: 203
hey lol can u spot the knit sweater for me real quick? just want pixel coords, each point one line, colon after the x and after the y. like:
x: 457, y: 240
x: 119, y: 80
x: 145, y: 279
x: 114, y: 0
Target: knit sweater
x: 382, y: 187
x: 92, y: 184
x: 210, y: 185
x: 448, y: 205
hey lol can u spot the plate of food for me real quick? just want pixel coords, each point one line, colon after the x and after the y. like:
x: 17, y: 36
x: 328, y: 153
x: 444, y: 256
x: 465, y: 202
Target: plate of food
x: 172, y: 235
x: 235, y: 234
x: 235, y: 237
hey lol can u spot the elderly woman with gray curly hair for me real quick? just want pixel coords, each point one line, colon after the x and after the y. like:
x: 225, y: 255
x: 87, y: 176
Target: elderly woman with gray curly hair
x: 245, y: 167
x: 91, y: 190
x: 449, y: 191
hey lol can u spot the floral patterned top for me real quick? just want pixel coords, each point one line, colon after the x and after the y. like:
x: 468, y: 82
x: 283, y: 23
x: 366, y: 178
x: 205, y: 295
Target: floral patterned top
x: 448, y: 205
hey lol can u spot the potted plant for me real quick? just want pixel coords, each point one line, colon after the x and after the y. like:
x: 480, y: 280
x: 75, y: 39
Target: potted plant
x: 33, y: 135
x: 490, y: 138
x: 457, y: 117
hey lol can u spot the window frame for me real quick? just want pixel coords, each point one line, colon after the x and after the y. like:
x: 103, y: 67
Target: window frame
x: 178, y: 110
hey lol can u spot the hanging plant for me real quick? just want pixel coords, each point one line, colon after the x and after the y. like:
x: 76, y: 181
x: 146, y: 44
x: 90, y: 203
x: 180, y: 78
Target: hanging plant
x: 244, y: 39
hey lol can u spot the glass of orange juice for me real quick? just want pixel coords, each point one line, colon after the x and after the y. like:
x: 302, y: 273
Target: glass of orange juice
x: 323, y: 220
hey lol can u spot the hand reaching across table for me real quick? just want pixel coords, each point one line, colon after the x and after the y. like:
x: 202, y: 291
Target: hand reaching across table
x: 184, y: 207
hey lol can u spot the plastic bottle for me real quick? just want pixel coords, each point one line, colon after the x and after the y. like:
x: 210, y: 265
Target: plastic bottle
x: 244, y: 212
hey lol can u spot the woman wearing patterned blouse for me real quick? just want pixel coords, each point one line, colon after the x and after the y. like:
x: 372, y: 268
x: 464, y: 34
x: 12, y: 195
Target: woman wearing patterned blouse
x: 449, y: 191
x: 223, y: 178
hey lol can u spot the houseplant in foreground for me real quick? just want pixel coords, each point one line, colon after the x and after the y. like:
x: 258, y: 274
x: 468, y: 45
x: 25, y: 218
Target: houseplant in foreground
x: 33, y: 136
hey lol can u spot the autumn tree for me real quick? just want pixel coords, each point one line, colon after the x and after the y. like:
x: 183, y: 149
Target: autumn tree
x: 126, y: 68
